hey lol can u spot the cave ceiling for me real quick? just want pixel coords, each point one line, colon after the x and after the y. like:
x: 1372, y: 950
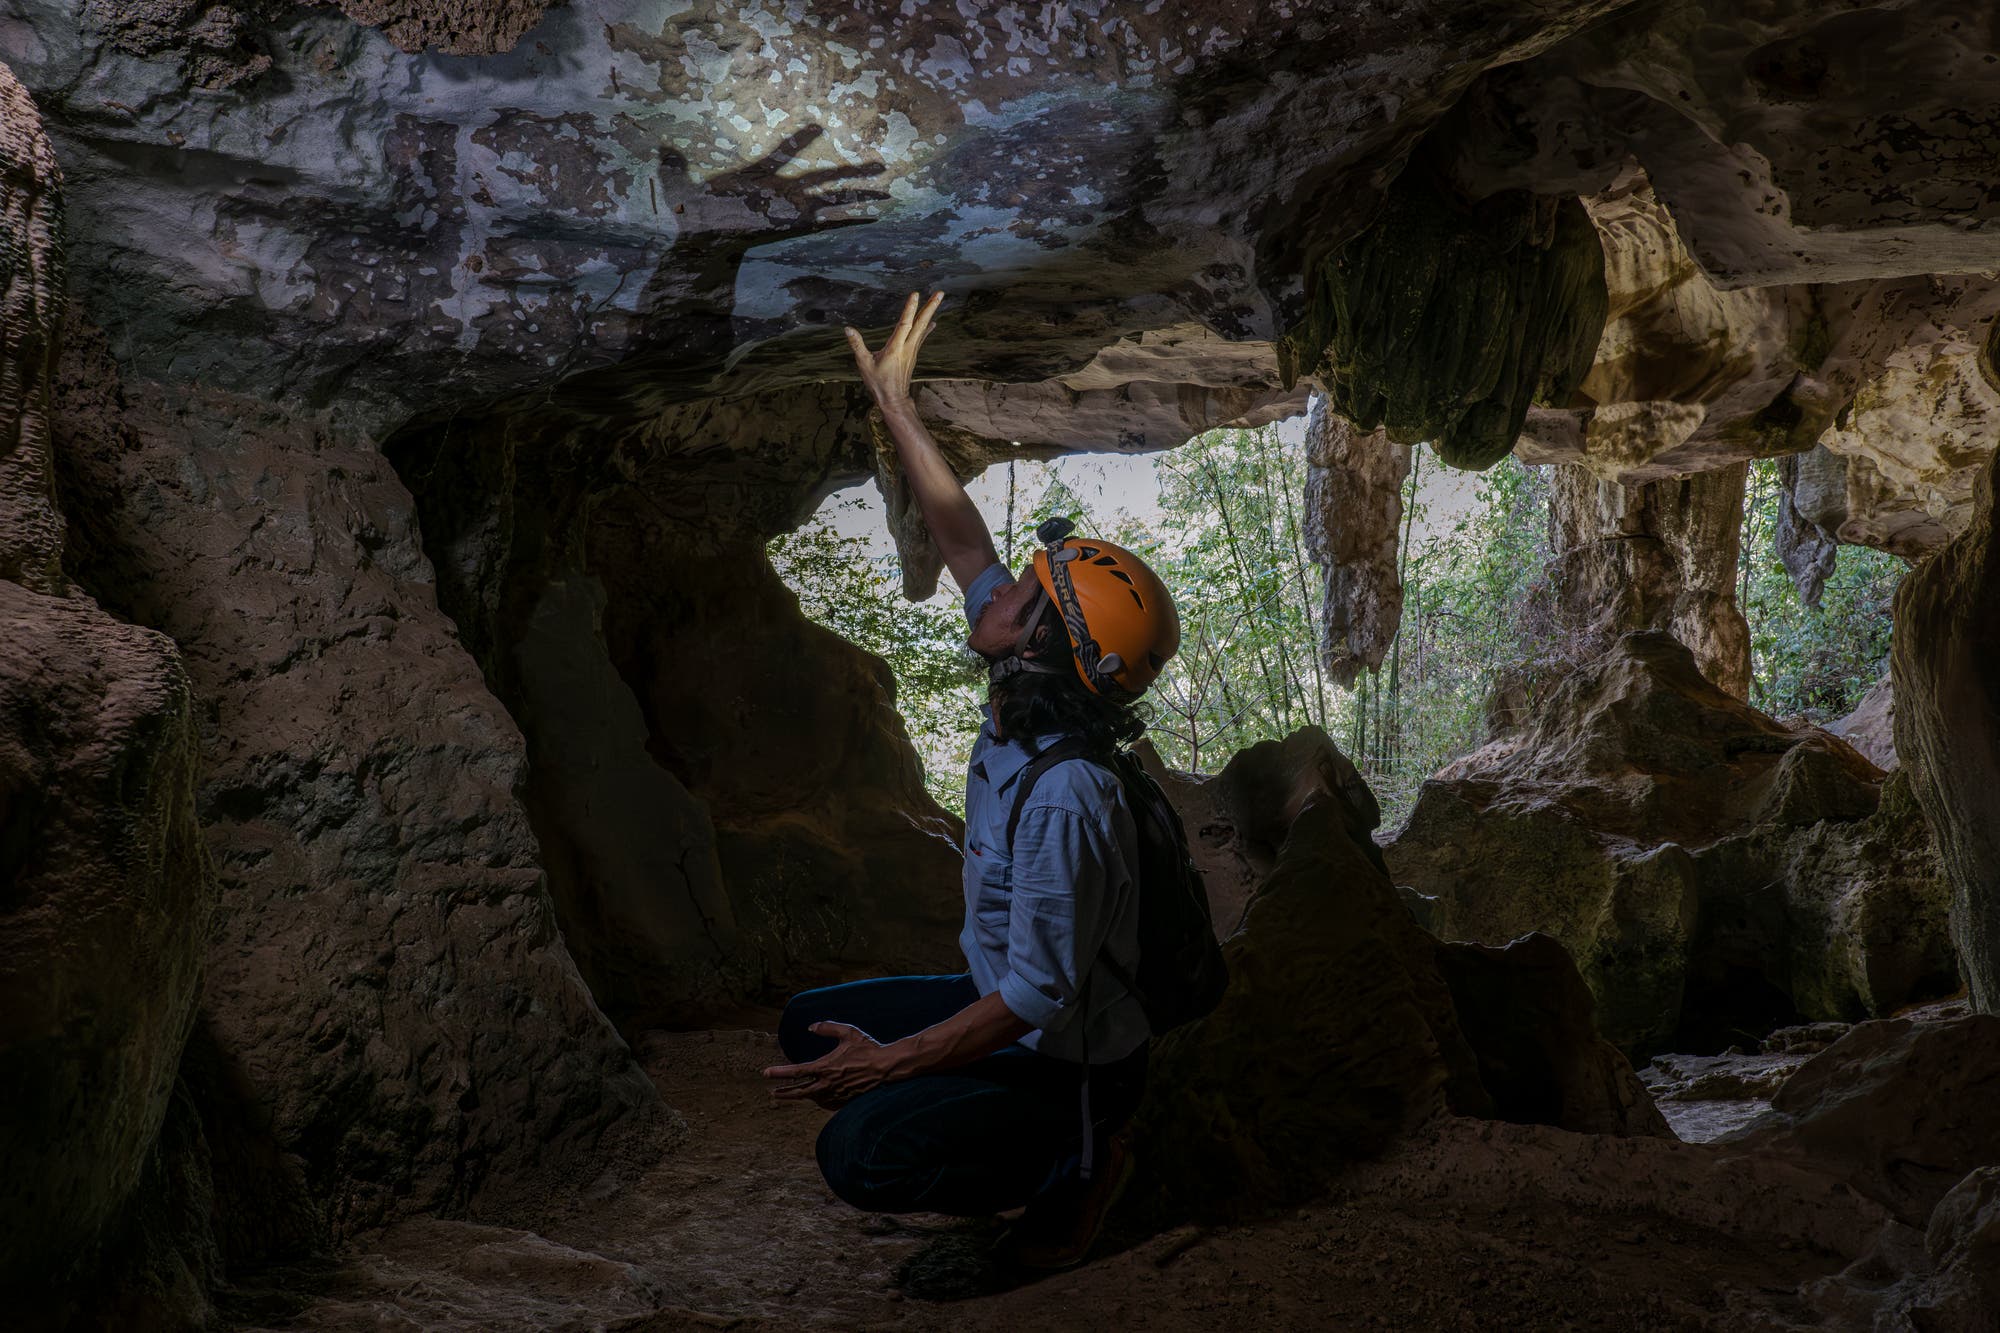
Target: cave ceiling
x: 393, y: 210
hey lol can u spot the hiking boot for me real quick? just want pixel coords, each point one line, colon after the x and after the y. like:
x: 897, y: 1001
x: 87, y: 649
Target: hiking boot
x: 1058, y: 1230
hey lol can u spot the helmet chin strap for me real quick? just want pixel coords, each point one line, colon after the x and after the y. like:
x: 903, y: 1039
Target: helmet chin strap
x: 1014, y: 664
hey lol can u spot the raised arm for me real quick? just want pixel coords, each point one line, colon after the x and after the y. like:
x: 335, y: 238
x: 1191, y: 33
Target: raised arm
x: 961, y: 534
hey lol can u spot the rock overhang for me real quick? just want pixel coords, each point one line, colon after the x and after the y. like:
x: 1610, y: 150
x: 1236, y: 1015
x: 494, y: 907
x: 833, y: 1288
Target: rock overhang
x: 617, y: 206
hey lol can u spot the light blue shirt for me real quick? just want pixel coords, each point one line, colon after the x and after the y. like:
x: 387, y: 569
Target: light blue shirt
x: 1039, y: 915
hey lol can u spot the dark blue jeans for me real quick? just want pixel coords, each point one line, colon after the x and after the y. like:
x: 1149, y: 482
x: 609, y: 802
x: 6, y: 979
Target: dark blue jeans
x: 979, y: 1139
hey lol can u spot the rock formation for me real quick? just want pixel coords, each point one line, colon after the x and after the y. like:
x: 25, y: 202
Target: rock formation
x: 416, y: 486
x: 1946, y: 669
x: 383, y: 910
x: 1345, y: 1025
x: 724, y: 795
x: 31, y: 302
x: 1871, y: 727
x: 1353, y: 530
x: 1661, y: 555
x: 1710, y: 869
x: 107, y: 891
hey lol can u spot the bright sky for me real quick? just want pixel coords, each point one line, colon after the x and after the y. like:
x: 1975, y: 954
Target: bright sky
x: 1112, y: 482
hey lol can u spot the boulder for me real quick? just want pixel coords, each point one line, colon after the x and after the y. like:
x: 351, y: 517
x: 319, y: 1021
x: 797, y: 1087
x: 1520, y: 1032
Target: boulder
x: 1901, y: 1109
x: 1345, y: 1026
x: 1528, y: 1017
x: 105, y: 897
x: 1337, y: 1035
x: 1962, y: 1241
x: 1871, y: 726
x: 1237, y: 820
x: 1713, y: 871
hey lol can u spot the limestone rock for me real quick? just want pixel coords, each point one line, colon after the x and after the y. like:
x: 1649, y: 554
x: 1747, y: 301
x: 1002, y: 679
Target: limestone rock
x: 1886, y: 383
x: 1237, y: 820
x: 1527, y: 1015
x: 1805, y: 534
x: 1345, y: 1025
x: 1681, y: 362
x: 1946, y: 669
x: 1963, y: 1242
x: 1657, y: 556
x: 1902, y: 1109
x: 1336, y: 1036
x: 384, y: 965
x: 1447, y: 316
x: 1710, y: 869
x: 1353, y: 530
x: 1871, y: 727
x: 105, y: 896
x: 31, y: 307
x: 585, y: 196
x: 456, y: 27
x: 725, y: 796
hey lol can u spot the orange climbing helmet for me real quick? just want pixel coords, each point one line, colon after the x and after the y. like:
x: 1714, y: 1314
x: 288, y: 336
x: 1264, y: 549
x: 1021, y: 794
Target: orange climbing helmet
x: 1121, y: 620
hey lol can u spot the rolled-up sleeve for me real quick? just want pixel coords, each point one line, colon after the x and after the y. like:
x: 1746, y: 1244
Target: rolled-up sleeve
x: 1057, y: 917
x: 987, y: 582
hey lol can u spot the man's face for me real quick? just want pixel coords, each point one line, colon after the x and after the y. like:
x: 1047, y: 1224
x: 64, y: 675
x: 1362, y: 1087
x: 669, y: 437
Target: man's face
x: 1006, y: 616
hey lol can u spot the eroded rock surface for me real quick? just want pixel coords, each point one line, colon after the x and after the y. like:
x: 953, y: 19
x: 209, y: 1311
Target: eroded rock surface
x: 1711, y: 870
x: 1353, y: 531
x: 1946, y: 670
x: 1237, y: 820
x: 1871, y: 726
x: 621, y: 185
x: 1346, y: 1026
x: 31, y: 310
x: 385, y: 964
x: 105, y: 894
x: 1656, y: 556
x: 725, y: 797
x: 1882, y: 388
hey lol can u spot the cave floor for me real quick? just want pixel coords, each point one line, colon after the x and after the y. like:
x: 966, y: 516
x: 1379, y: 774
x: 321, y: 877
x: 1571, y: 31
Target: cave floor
x: 735, y: 1230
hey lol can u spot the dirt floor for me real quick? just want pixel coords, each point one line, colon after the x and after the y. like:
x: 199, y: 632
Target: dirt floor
x: 736, y: 1231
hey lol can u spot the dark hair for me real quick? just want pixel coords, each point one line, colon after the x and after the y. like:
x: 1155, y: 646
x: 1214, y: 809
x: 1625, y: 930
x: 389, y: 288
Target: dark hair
x: 1035, y: 704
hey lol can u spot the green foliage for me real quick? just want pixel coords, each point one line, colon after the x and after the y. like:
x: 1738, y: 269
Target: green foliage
x: 1811, y: 662
x: 1478, y: 635
x: 1229, y: 546
x: 1478, y: 616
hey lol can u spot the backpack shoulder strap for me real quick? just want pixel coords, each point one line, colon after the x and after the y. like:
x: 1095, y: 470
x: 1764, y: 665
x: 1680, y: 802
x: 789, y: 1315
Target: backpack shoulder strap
x: 1070, y: 747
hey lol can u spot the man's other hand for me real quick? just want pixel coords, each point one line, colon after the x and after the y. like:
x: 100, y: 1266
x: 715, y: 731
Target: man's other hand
x: 856, y: 1063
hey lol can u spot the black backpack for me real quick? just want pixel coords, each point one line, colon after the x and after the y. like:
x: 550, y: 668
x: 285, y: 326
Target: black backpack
x: 1181, y: 974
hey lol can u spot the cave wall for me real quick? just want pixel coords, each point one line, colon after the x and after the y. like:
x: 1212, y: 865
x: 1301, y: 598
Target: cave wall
x: 1946, y: 668
x: 726, y: 797
x: 33, y: 289
x: 527, y: 668
x: 105, y: 887
x: 383, y: 913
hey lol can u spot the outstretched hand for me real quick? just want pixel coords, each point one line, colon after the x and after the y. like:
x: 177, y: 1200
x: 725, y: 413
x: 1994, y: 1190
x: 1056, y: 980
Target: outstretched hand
x: 887, y: 372
x: 856, y: 1063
